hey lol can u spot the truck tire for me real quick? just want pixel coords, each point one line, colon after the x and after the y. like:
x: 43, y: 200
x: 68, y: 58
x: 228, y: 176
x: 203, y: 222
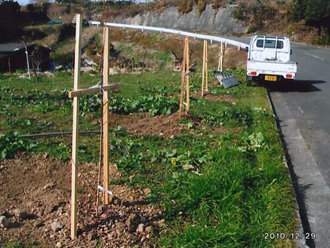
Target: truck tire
x: 248, y: 80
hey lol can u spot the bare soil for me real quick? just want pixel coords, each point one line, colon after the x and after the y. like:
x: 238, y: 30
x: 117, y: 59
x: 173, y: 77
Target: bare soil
x: 41, y: 187
x: 218, y: 98
x: 143, y: 123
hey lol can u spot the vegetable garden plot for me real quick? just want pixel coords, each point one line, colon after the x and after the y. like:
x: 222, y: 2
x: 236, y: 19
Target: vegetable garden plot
x: 220, y: 181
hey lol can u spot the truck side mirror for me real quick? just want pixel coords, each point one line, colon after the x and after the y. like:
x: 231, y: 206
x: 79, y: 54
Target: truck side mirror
x: 246, y: 49
x: 290, y: 51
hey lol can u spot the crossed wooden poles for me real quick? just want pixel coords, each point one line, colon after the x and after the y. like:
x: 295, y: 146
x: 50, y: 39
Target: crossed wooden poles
x: 105, y: 88
x: 75, y: 94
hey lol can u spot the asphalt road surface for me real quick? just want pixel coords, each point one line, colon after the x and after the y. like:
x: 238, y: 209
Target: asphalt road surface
x: 303, y: 110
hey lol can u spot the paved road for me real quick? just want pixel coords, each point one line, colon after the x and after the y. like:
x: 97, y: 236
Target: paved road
x: 303, y: 109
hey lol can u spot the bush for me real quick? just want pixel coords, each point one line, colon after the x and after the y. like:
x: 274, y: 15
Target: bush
x: 67, y: 31
x: 186, y: 6
x: 35, y: 34
x: 64, y: 59
x: 201, y: 6
x: 216, y: 4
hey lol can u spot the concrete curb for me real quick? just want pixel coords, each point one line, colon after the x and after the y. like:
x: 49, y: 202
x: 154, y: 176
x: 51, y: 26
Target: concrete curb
x: 301, y: 243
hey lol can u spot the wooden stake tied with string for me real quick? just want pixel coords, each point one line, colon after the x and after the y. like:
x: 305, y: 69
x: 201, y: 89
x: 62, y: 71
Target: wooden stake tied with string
x: 75, y: 129
x: 185, y: 81
x: 221, y: 57
x: 205, y: 84
x: 105, y: 115
x: 75, y: 94
x: 183, y: 75
x: 187, y: 76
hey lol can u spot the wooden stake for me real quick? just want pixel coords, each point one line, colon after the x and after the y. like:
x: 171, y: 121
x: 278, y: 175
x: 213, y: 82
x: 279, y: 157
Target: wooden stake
x: 75, y: 127
x: 183, y: 77
x: 187, y: 76
x: 206, y: 68
x: 223, y: 51
x: 220, y: 58
x: 106, y: 116
x: 203, y: 70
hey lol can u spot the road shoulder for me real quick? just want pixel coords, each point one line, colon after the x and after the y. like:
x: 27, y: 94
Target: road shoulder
x: 310, y: 187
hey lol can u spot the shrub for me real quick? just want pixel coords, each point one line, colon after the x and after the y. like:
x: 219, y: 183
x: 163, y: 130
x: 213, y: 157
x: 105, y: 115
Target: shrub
x: 201, y: 6
x: 186, y: 6
x: 63, y: 59
x: 67, y: 31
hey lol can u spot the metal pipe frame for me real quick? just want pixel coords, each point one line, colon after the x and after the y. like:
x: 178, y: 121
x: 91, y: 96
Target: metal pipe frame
x: 240, y: 45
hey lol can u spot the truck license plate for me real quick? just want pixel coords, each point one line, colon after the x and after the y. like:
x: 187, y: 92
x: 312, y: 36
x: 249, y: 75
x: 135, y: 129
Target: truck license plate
x: 270, y: 78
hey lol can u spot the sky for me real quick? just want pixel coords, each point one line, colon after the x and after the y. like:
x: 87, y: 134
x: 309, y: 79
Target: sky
x: 23, y: 2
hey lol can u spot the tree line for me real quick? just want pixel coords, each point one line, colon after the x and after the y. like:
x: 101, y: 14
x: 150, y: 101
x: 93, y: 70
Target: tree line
x: 315, y: 12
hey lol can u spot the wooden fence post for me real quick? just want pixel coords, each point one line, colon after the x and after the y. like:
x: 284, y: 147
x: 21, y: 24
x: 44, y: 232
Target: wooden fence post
x: 105, y: 124
x: 203, y: 70
x: 206, y: 68
x: 75, y: 130
x: 187, y: 76
x: 183, y: 77
x: 205, y: 77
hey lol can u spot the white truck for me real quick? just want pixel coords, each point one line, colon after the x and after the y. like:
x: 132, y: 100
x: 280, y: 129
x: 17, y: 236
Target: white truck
x: 269, y: 59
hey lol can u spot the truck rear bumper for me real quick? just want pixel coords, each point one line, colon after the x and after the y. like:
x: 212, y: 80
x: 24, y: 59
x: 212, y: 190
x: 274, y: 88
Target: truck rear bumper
x: 265, y: 75
x: 270, y: 78
x: 263, y: 69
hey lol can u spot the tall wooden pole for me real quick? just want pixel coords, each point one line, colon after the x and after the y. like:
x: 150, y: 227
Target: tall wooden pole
x: 206, y: 68
x: 220, y: 58
x: 223, y: 51
x: 187, y: 76
x: 203, y: 70
x: 183, y: 77
x: 105, y: 125
x: 75, y: 127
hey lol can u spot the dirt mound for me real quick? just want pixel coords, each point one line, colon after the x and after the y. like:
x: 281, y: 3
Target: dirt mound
x: 36, y: 201
x: 144, y: 124
x: 218, y: 98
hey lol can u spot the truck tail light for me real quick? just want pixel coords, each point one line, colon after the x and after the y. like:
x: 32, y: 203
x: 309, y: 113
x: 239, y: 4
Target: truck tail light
x: 253, y: 73
x: 288, y: 76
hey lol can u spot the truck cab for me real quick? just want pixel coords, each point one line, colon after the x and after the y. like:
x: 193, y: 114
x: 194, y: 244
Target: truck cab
x: 269, y: 59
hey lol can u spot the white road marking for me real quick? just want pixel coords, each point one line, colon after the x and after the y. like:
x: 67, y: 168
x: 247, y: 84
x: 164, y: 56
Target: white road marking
x: 314, y: 56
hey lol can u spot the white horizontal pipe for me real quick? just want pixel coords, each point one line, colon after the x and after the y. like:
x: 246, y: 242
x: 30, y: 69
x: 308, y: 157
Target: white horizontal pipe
x: 212, y: 39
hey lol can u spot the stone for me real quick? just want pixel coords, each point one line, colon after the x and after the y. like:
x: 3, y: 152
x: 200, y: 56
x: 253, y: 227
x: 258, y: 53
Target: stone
x: 129, y: 223
x: 103, y: 216
x: 22, y: 214
x: 140, y: 228
x: 143, y: 219
x: 4, y: 221
x: 39, y: 224
x: 147, y: 191
x: 161, y: 223
x: 149, y: 229
x: 120, y: 225
x: 56, y: 226
x: 116, y: 201
x: 50, y: 185
x: 58, y: 245
x: 91, y: 236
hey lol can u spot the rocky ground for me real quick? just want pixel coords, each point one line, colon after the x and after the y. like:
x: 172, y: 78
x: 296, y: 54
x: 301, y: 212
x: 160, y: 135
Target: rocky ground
x: 35, y: 207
